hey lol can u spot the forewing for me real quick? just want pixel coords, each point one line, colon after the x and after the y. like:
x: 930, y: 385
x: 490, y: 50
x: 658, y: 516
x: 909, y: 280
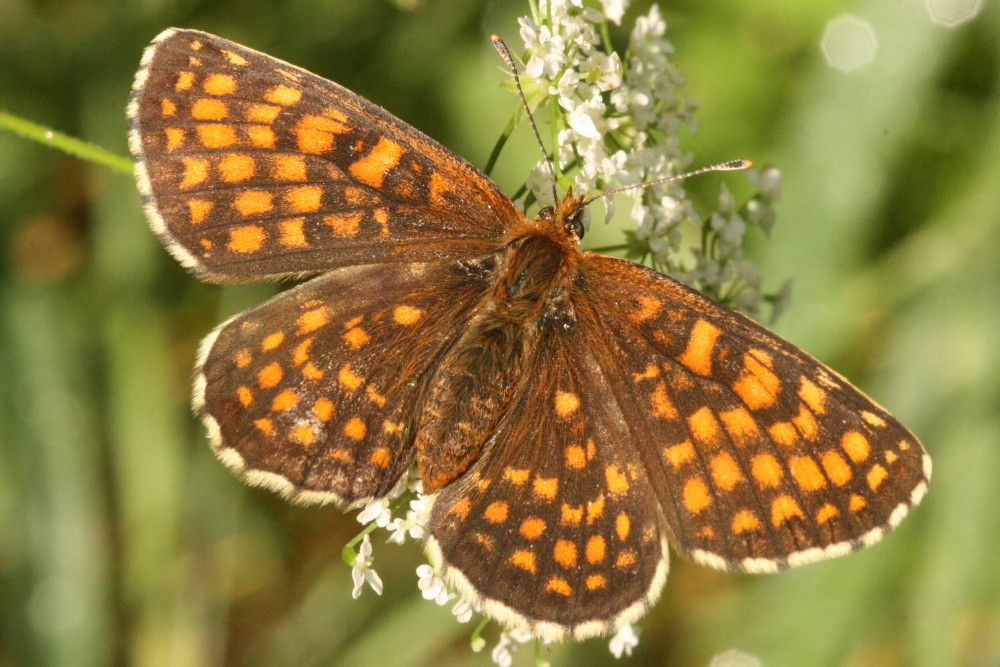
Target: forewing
x: 555, y: 529
x: 315, y: 393
x: 251, y: 167
x: 761, y: 456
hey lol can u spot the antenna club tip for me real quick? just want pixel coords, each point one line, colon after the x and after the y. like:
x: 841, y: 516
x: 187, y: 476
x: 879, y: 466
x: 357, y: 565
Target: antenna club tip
x: 747, y: 163
x: 495, y: 38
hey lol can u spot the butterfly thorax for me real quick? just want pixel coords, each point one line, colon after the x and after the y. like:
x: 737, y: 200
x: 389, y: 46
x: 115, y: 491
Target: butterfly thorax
x: 479, y: 375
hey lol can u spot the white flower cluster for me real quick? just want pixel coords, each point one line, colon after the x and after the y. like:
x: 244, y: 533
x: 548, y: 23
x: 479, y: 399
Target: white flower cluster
x: 618, y: 122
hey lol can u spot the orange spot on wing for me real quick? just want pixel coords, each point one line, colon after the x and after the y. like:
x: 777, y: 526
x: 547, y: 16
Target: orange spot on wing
x: 566, y: 403
x: 304, y: 199
x: 261, y: 136
x: 496, y: 512
x: 285, y: 400
x: 195, y: 172
x: 461, y: 508
x: 872, y: 418
x: 806, y: 423
x: 651, y: 372
x: 175, y: 137
x: 243, y: 359
x: 248, y: 238
x: 270, y: 375
x: 304, y: 434
x: 356, y: 337
x: 626, y: 558
x: 662, y: 406
x: 745, y: 521
x: 184, y: 81
x: 253, y: 202
x: 292, y: 233
x: 272, y: 341
x: 757, y: 384
x: 696, y: 496
x: 301, y: 354
x: 289, y: 168
x: 739, y: 424
x: 314, y: 319
x: 857, y: 503
x: 344, y: 225
x: 701, y: 341
x: 595, y: 509
x: 208, y: 108
x: 678, y: 455
x: 245, y: 396
x: 783, y: 433
x: 876, y: 475
x: 595, y: 582
x: 372, y: 168
x: 570, y: 515
x: 348, y: 379
x: 283, y: 95
x: 532, y: 528
x: 355, y: 429
x: 617, y: 482
x: 315, y: 134
x: 234, y: 58
x: 595, y: 549
x: 516, y: 476
x: 375, y: 397
x: 265, y: 426
x: 310, y: 372
x: 381, y: 458
x: 545, y: 488
x: 437, y: 186
x: 812, y: 396
x: 564, y: 553
x: 784, y: 508
x: 836, y: 468
x: 648, y: 308
x: 766, y: 470
x: 167, y: 107
x: 323, y: 409
x: 216, y: 135
x: 523, y: 559
x: 406, y: 315
x: 704, y: 427
x: 560, y: 586
x: 236, y: 167
x: 725, y: 471
x: 856, y: 446
x: 806, y: 473
x: 825, y: 513
x: 575, y: 457
x: 219, y: 84
x: 622, y: 525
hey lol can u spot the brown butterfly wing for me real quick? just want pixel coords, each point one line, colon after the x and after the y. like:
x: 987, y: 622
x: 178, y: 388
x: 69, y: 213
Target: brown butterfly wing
x: 251, y: 167
x: 315, y: 393
x: 761, y: 456
x: 552, y: 529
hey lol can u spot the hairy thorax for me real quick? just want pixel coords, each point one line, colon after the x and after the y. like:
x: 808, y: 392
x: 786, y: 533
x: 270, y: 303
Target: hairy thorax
x: 468, y: 395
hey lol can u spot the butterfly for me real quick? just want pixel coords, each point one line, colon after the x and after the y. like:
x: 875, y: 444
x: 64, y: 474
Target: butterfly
x: 571, y: 413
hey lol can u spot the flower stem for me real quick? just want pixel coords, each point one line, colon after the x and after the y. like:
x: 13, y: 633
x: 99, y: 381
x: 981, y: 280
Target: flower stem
x: 348, y: 554
x: 65, y: 143
x: 477, y: 640
x: 501, y: 142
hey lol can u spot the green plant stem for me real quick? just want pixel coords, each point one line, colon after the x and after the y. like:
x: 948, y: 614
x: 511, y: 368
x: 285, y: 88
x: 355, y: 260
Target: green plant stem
x: 348, y: 554
x: 65, y: 143
x: 501, y: 142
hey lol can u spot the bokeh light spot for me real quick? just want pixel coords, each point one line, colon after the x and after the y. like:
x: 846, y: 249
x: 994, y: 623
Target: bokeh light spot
x: 848, y: 43
x: 952, y: 13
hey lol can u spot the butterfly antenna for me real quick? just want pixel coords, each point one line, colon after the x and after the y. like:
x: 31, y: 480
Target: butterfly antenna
x: 730, y: 165
x: 501, y: 47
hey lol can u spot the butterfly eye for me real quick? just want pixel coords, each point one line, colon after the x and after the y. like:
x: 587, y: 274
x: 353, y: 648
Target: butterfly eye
x: 546, y: 214
x: 574, y: 223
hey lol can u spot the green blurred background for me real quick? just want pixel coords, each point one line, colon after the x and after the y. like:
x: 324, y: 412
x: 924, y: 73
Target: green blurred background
x: 122, y: 540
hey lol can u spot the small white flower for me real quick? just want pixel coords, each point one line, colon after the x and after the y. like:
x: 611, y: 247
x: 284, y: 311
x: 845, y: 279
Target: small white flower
x: 614, y: 10
x: 624, y: 641
x: 432, y: 587
x: 463, y: 611
x: 503, y: 652
x: 377, y: 512
x: 362, y: 571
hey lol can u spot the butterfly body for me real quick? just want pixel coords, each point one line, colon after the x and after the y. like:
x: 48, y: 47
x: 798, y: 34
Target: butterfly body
x: 567, y: 411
